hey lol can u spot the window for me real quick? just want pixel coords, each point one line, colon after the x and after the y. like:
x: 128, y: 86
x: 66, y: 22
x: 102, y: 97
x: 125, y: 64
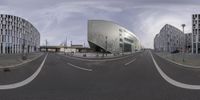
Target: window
x: 121, y: 45
x: 120, y: 30
x: 120, y: 40
x: 129, y: 40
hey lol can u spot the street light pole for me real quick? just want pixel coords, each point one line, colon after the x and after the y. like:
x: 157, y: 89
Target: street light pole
x: 46, y: 45
x: 71, y: 48
x: 106, y: 45
x: 84, y: 49
x: 23, y: 50
x: 65, y: 45
x: 183, y: 26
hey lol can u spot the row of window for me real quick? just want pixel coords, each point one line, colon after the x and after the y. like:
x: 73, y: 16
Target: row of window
x: 195, y: 16
x: 10, y: 39
x: 17, y: 48
x: 10, y: 18
x: 19, y: 34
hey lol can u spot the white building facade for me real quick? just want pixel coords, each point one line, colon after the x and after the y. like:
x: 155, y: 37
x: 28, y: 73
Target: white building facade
x: 17, y: 35
x: 188, y: 42
x: 196, y: 33
x: 169, y: 39
x: 111, y: 37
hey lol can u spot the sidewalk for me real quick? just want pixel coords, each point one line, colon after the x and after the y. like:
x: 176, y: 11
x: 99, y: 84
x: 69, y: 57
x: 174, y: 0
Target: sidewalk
x: 8, y: 60
x: 190, y: 60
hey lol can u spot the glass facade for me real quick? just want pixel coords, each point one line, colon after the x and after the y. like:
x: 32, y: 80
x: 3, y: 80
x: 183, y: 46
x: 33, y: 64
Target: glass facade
x: 111, y: 37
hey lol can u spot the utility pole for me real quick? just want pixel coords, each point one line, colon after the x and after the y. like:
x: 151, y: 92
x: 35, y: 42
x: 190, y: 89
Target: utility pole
x: 183, y: 26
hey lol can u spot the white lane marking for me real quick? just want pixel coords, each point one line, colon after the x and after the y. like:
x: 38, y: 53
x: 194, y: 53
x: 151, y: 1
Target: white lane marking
x: 26, y: 81
x: 129, y: 62
x: 79, y: 67
x: 174, y: 82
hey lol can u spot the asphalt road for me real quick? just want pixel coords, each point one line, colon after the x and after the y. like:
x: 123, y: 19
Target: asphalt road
x: 131, y: 78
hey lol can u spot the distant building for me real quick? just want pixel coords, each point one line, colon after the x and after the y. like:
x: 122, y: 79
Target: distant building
x: 169, y: 39
x: 188, y: 42
x: 196, y: 33
x: 157, y: 43
x: 17, y: 35
x: 107, y: 36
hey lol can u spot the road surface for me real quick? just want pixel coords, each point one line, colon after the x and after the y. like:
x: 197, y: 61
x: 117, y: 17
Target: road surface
x: 131, y: 78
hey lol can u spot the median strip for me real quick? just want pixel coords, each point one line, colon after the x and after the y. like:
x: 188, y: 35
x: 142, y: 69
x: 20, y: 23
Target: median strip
x: 27, y: 61
x: 26, y: 81
x: 172, y: 81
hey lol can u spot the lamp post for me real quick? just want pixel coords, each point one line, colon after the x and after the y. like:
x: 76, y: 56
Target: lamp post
x: 84, y: 49
x: 106, y: 45
x: 71, y: 48
x: 183, y: 26
x: 46, y: 45
x: 65, y: 46
x: 23, y: 50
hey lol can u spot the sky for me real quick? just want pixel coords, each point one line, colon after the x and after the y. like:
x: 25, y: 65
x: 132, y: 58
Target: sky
x: 58, y: 19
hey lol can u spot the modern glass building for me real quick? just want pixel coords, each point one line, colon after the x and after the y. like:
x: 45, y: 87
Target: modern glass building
x: 17, y: 35
x: 107, y: 36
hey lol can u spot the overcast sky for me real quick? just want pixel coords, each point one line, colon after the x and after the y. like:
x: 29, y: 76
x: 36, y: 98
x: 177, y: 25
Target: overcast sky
x: 56, y: 19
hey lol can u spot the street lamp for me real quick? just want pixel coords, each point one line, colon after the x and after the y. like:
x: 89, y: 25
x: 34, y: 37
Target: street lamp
x: 84, y: 49
x: 183, y: 26
x: 65, y: 46
x: 71, y: 48
x: 24, y: 57
x: 106, y: 45
x: 46, y: 45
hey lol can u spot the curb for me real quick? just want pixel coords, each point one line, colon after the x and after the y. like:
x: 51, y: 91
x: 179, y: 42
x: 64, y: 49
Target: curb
x: 27, y: 61
x: 187, y: 66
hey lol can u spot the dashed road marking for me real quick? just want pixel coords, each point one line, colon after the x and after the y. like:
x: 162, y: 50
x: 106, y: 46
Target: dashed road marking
x: 130, y: 62
x: 79, y: 67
